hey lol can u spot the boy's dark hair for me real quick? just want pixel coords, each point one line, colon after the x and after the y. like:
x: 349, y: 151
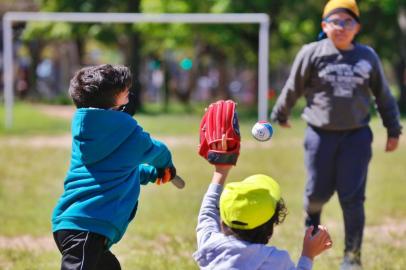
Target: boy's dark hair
x: 98, y: 86
x: 262, y: 233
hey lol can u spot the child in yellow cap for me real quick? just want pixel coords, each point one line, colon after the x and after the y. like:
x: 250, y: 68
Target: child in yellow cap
x: 236, y: 222
x: 339, y: 78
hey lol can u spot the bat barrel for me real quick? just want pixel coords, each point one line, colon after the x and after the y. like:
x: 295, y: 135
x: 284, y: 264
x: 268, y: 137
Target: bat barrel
x: 178, y: 182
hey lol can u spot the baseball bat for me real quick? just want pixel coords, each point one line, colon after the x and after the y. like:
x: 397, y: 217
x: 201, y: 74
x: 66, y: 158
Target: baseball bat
x: 178, y: 182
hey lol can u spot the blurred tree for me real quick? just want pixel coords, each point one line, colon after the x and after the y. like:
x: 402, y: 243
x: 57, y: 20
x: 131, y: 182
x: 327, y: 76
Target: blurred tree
x: 401, y: 66
x: 21, y: 5
x: 207, y: 45
x: 294, y: 23
x: 384, y: 28
x: 191, y: 41
x: 126, y: 37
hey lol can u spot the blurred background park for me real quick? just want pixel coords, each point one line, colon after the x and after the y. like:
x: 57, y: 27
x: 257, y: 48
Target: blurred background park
x: 187, y: 62
x: 178, y: 70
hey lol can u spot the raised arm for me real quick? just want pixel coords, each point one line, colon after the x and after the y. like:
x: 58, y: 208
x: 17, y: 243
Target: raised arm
x: 209, y: 216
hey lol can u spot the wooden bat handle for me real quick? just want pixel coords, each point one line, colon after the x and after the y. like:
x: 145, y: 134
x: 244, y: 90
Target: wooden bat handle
x: 178, y: 182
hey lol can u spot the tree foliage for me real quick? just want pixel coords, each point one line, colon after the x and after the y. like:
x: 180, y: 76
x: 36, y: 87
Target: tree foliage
x: 294, y: 23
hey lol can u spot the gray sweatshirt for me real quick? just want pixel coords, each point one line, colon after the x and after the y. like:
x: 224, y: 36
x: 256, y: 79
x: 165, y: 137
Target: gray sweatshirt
x: 220, y: 252
x: 338, y: 87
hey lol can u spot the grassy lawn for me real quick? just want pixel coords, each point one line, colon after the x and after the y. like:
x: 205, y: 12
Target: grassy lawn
x: 162, y: 235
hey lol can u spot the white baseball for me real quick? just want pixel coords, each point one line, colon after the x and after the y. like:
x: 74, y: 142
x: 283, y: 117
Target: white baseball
x: 262, y: 131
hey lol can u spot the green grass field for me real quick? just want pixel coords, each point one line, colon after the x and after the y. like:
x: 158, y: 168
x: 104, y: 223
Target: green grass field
x: 35, y: 156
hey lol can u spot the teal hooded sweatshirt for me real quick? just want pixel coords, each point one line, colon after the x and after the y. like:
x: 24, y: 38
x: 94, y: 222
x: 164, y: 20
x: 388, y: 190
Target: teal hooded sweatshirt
x: 111, y: 157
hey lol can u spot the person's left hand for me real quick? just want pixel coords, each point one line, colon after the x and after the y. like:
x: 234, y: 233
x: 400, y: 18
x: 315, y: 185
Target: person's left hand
x: 391, y: 144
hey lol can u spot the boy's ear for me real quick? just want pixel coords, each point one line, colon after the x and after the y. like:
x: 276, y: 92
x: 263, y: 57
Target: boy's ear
x: 358, y: 28
x: 323, y: 25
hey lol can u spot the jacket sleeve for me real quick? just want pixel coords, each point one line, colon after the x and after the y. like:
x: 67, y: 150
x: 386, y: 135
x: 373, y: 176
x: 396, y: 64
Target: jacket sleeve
x: 155, y: 152
x: 385, y: 102
x: 294, y: 86
x: 147, y: 173
x: 209, y: 216
x: 304, y: 263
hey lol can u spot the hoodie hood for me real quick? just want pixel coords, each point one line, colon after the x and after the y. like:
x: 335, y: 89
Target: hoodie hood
x: 97, y: 133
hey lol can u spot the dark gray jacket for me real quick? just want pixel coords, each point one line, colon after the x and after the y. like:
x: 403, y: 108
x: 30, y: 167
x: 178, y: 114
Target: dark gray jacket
x: 338, y: 87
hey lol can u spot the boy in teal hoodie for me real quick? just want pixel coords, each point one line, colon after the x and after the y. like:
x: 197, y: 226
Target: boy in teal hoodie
x: 111, y: 157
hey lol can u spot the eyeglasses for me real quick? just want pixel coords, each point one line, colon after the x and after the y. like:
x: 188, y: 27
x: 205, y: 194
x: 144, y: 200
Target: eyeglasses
x: 347, y: 24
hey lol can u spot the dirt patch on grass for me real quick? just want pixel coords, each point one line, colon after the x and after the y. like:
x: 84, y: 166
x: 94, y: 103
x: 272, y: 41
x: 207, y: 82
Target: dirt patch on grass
x: 61, y: 111
x: 66, y: 112
x: 27, y: 242
x: 54, y: 141
x: 65, y: 141
x: 392, y: 231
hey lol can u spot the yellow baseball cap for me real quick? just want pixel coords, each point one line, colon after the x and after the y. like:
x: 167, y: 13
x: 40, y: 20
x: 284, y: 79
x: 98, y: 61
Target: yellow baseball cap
x: 337, y: 5
x: 250, y: 203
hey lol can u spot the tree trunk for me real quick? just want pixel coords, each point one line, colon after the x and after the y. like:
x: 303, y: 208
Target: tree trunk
x: 185, y: 94
x: 167, y: 78
x: 35, y: 49
x: 400, y: 67
x: 223, y: 89
x: 133, y: 61
x: 80, y: 45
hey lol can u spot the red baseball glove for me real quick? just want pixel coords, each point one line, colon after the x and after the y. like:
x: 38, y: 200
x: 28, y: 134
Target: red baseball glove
x: 220, y: 134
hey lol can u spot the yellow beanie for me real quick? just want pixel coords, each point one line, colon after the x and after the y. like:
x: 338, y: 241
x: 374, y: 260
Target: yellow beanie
x: 347, y: 5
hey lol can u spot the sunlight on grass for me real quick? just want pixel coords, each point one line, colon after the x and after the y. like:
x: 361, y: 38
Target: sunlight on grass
x: 163, y: 233
x: 29, y: 121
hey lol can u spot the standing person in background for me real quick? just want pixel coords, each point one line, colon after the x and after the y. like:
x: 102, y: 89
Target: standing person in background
x: 339, y: 77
